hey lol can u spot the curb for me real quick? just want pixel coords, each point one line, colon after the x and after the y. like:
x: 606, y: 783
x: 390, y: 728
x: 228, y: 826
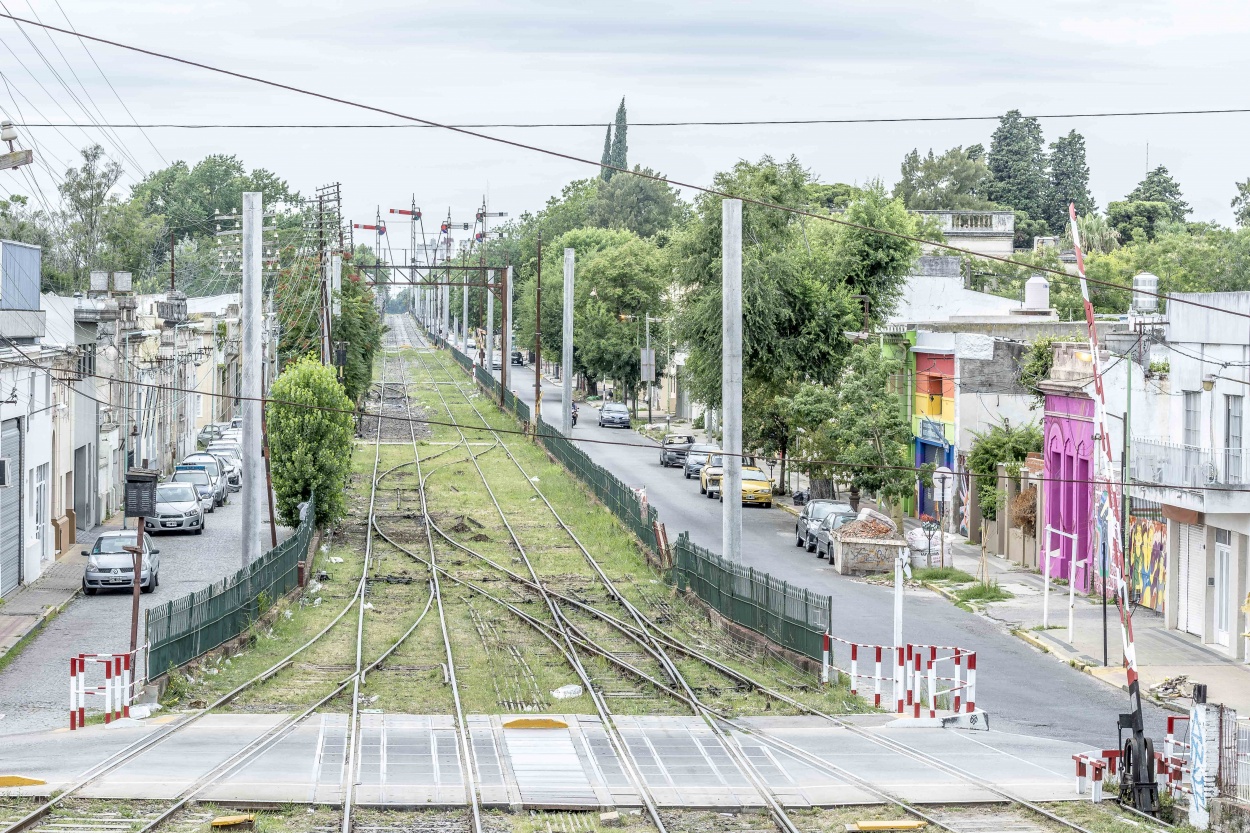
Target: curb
x: 941, y: 591
x: 793, y: 510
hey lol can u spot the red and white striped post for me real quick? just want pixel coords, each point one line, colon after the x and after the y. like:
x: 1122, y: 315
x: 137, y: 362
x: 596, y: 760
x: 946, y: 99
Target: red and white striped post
x: 876, y: 683
x: 971, y: 705
x: 824, y: 663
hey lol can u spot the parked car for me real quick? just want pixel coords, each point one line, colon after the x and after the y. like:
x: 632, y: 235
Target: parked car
x: 232, y: 468
x: 714, y: 467
x: 227, y: 447
x: 221, y: 490
x: 806, y: 527
x: 207, y: 434
x: 177, y: 510
x: 237, y: 422
x: 613, y: 415
x: 673, y: 449
x: 824, y: 535
x: 517, y: 357
x: 198, y: 477
x: 696, y: 459
x: 109, y: 565
x: 757, y: 487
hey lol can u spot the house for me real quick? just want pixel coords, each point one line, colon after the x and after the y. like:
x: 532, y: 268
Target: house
x: 1194, y: 466
x: 983, y: 232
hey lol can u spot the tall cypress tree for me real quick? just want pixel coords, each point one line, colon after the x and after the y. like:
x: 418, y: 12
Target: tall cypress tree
x: 620, y: 147
x: 606, y: 173
x: 1018, y: 164
x: 1069, y: 181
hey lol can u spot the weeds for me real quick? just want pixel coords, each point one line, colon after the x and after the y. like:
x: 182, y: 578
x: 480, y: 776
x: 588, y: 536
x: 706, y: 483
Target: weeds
x: 951, y: 574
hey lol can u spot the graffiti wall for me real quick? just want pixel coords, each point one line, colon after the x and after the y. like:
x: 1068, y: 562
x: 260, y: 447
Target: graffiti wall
x: 1147, y: 557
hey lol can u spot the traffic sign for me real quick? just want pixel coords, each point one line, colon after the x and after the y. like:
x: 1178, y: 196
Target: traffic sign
x: 943, y: 484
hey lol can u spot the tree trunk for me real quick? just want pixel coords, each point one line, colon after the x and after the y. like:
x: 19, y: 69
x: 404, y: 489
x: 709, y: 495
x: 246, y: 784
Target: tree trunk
x: 782, y: 488
x: 855, y: 498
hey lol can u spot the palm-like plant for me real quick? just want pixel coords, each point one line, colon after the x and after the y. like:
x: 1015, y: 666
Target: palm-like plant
x: 1097, y: 235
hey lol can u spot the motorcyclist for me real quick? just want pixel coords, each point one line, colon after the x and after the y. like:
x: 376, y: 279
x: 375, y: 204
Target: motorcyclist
x: 574, y: 413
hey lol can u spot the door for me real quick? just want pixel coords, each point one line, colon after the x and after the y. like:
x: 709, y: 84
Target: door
x: 82, y: 492
x: 1223, y: 589
x: 11, y: 536
x: 1191, y: 578
x: 39, y: 505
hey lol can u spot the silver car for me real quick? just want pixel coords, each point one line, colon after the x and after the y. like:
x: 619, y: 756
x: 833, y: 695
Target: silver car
x: 696, y: 458
x: 177, y: 510
x: 197, y: 477
x: 824, y: 535
x: 217, y: 472
x: 808, y: 523
x: 109, y: 565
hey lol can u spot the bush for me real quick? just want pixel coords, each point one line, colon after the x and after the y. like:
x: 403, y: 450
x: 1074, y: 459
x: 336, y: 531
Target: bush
x: 952, y: 574
x: 310, y: 440
x: 1001, y: 444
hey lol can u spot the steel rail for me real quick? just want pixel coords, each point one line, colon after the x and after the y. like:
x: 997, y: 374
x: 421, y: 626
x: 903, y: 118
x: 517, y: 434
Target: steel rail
x: 780, y: 817
x: 471, y: 792
x: 605, y: 714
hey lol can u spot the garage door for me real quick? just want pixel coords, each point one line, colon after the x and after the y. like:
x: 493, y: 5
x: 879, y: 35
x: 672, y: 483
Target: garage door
x: 1192, y: 578
x: 11, y: 508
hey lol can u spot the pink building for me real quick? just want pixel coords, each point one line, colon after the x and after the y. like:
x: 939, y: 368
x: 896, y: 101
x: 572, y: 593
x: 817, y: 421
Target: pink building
x: 1067, y: 453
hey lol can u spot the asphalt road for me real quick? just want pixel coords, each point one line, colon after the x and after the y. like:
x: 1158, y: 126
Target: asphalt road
x: 34, y: 688
x: 1022, y: 689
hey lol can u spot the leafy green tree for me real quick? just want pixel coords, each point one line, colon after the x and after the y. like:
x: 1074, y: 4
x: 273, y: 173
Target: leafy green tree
x: 867, y: 436
x: 643, y: 206
x: 85, y: 194
x: 1158, y: 186
x: 1018, y: 164
x: 1241, y: 203
x: 958, y: 179
x: 1209, y: 259
x: 1035, y: 367
x: 620, y: 144
x: 1137, y: 221
x: 1027, y: 228
x: 1097, y: 234
x: 1000, y: 444
x: 605, y: 173
x: 1069, y: 181
x: 310, y: 431
x: 360, y: 326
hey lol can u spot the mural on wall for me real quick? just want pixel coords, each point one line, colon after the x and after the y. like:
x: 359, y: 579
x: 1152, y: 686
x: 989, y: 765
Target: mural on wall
x: 1147, y: 555
x: 965, y: 499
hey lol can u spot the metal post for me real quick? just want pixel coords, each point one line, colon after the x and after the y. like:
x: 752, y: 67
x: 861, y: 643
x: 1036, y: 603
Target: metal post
x: 505, y: 334
x: 566, y: 363
x: 137, y: 554
x: 250, y: 312
x: 731, y: 377
x: 464, y: 321
x: 647, y: 325
x: 490, y: 328
x: 538, y: 337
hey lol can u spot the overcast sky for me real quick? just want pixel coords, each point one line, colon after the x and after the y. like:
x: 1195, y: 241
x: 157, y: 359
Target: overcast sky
x: 495, y: 61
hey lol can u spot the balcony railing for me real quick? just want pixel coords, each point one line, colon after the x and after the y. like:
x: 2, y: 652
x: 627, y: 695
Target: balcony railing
x: 1173, y: 464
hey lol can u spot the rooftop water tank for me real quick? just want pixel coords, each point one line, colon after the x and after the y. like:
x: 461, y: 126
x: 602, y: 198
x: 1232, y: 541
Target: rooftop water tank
x: 1037, y: 293
x: 1145, y: 292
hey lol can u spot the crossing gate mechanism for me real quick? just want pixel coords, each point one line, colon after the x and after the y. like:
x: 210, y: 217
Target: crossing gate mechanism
x: 118, y: 688
x: 918, y: 678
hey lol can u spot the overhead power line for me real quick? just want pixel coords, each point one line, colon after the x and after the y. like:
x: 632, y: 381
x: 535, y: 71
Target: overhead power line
x: 602, y: 166
x: 708, y: 123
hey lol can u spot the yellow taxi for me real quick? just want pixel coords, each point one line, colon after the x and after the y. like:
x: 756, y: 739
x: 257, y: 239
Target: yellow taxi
x: 757, y: 487
x: 712, y: 469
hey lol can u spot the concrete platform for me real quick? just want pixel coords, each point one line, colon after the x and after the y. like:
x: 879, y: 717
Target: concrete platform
x: 415, y: 761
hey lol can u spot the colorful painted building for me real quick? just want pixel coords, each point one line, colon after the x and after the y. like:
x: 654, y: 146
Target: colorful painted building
x: 933, y: 408
x: 1067, y: 455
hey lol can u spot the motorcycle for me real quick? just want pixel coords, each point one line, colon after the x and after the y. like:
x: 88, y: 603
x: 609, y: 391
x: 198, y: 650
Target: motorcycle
x: 574, y: 414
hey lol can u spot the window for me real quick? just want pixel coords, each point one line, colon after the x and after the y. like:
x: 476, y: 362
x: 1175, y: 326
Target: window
x: 1232, y: 439
x: 1190, y: 435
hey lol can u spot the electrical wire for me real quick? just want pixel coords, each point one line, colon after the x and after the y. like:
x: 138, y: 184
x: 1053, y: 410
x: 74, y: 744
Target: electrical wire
x: 589, y: 162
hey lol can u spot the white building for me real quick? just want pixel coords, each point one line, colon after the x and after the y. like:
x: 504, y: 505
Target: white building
x: 1199, y: 471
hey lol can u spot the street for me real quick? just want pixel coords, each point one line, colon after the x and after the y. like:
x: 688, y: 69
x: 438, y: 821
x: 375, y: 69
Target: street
x: 33, y: 688
x: 1022, y: 689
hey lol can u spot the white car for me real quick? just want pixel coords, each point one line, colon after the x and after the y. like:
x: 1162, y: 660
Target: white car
x: 178, y: 509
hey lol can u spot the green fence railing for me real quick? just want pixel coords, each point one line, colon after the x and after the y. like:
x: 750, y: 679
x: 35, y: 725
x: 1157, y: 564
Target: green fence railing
x: 185, y: 628
x: 623, y: 501
x: 790, y: 616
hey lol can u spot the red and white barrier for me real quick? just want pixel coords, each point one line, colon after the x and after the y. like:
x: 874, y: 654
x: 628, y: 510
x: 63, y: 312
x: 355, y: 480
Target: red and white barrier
x: 915, y: 673
x: 1092, y: 767
x: 117, y: 688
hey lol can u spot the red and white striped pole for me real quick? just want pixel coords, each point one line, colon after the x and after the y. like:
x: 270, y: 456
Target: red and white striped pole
x: 876, y: 687
x: 824, y: 664
x: 972, y: 682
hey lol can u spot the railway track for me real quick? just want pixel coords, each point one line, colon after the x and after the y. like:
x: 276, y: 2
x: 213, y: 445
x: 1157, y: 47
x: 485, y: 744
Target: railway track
x: 652, y: 640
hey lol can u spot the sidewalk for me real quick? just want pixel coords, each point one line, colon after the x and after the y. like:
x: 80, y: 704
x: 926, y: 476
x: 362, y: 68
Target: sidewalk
x: 27, y: 610
x: 1161, y: 653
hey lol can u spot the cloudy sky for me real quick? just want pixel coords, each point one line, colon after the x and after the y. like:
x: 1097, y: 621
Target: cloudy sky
x: 488, y: 61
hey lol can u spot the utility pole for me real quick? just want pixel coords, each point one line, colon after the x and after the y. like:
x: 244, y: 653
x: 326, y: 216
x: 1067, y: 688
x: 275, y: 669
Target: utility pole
x: 171, y: 265
x: 651, y: 378
x: 250, y: 311
x: 490, y: 324
x: 505, y: 334
x: 538, y: 337
x: 731, y: 378
x: 464, y: 321
x: 566, y: 362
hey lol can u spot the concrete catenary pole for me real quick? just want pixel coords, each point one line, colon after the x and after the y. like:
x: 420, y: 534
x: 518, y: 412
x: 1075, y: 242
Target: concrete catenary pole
x: 507, y: 318
x: 464, y: 320
x: 731, y: 377
x: 566, y: 362
x: 253, y: 413
x: 490, y: 320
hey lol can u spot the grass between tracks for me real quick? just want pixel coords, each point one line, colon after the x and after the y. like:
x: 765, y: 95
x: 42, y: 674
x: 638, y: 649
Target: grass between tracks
x: 462, y: 508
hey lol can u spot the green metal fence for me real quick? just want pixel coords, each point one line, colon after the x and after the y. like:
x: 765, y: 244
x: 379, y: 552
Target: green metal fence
x: 183, y: 629
x: 623, y: 501
x: 790, y: 616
